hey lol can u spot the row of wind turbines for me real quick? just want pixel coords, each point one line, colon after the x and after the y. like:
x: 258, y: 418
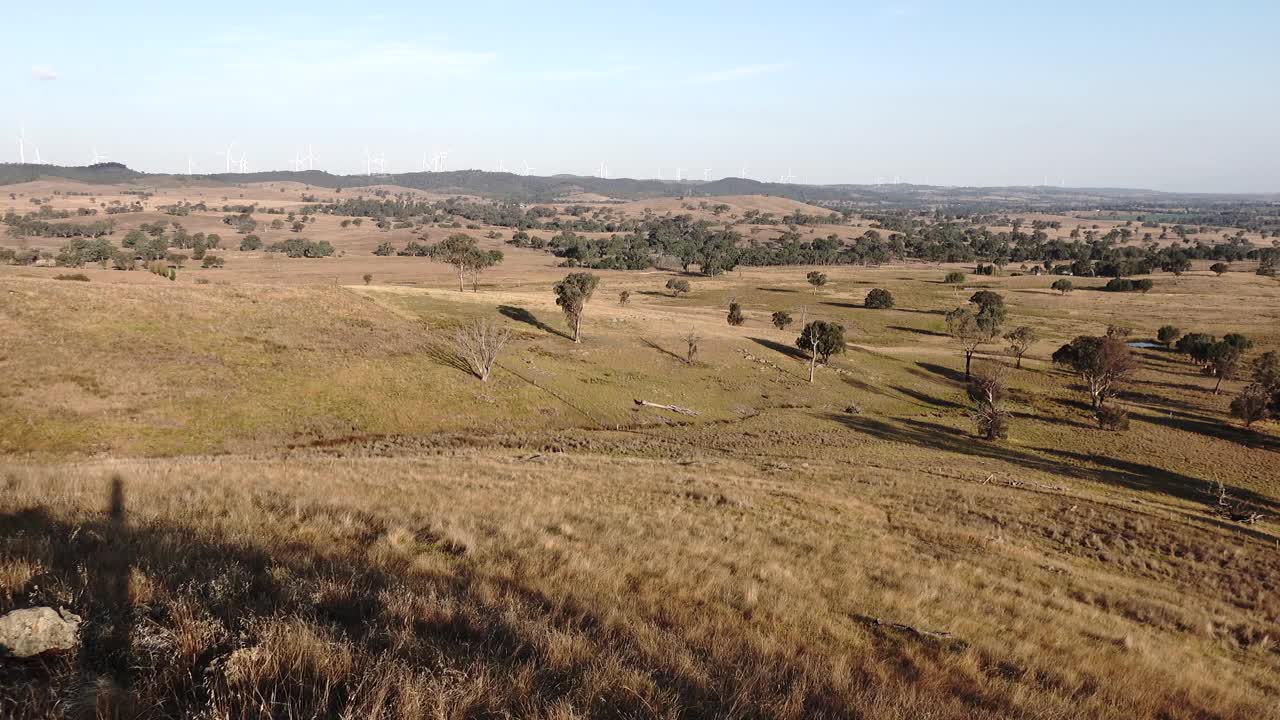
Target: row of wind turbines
x: 374, y: 165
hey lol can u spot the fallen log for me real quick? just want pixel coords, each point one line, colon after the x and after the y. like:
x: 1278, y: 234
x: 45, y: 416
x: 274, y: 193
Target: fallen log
x: 672, y: 408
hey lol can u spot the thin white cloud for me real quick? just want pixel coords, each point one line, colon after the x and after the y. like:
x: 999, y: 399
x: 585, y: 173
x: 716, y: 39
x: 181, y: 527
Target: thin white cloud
x: 43, y: 72
x: 288, y: 58
x: 735, y: 73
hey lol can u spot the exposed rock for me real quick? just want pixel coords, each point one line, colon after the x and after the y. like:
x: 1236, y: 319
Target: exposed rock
x: 31, y: 631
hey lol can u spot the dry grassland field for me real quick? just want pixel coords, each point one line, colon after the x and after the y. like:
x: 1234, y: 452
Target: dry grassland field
x: 270, y: 491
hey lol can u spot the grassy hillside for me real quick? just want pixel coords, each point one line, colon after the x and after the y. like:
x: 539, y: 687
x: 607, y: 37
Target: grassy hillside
x: 265, y: 497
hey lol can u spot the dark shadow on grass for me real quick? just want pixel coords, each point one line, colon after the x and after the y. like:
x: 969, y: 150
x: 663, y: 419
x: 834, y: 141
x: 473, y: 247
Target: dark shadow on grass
x: 660, y: 349
x: 777, y: 290
x: 921, y: 312
x: 939, y: 370
x: 447, y: 356
x: 250, y: 594
x: 789, y: 351
x: 1110, y: 471
x: 522, y: 315
x: 847, y: 305
x: 917, y: 331
x: 928, y: 399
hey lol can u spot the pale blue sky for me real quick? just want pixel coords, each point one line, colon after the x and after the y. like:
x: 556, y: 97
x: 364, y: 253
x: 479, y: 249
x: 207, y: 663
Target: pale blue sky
x: 1166, y: 95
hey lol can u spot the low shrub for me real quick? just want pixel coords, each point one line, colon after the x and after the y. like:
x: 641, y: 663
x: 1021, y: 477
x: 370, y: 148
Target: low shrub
x: 879, y: 299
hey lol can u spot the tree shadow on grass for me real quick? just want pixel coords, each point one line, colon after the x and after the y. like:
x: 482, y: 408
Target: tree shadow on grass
x: 660, y: 349
x: 920, y: 312
x: 917, y: 331
x: 522, y: 315
x: 443, y: 354
x: 928, y: 399
x: 789, y: 351
x: 1122, y: 473
x: 847, y: 305
x: 945, y: 372
x: 777, y: 290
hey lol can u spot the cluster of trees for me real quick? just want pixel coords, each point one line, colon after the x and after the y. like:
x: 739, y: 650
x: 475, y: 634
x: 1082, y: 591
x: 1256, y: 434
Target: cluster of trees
x: 460, y: 251
x: 1260, y: 399
x: 1126, y: 285
x: 297, y: 247
x: 29, y: 226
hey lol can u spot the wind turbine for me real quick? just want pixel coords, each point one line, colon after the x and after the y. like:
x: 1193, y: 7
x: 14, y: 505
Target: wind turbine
x: 743, y: 172
x: 97, y: 158
x: 189, y: 165
x: 36, y: 147
x: 501, y: 168
x: 789, y: 178
x: 603, y: 172
x: 679, y: 174
x: 706, y: 174
x: 227, y: 154
x: 244, y: 162
x: 22, y: 144
x: 310, y: 158
x: 528, y: 170
x: 378, y: 161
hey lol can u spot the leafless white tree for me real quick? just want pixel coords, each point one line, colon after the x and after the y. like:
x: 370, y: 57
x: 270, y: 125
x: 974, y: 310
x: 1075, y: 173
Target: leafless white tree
x: 478, y: 343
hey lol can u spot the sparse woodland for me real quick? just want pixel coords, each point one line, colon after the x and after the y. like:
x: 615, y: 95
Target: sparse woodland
x: 814, y: 462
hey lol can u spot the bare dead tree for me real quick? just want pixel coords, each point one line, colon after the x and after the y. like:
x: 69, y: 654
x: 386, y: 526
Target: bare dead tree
x: 478, y: 344
x: 691, y: 341
x: 987, y: 390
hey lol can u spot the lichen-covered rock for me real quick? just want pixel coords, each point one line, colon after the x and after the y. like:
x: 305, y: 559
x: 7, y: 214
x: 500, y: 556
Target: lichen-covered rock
x: 32, y: 631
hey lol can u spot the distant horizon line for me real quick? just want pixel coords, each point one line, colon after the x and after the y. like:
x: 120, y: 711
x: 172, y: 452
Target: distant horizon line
x: 667, y: 181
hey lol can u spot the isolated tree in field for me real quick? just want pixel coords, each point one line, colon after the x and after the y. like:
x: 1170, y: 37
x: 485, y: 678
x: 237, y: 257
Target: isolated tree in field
x: 461, y: 251
x: 1168, y: 335
x: 691, y: 340
x: 368, y: 278
x: 1020, y: 340
x: 478, y: 344
x: 298, y: 226
x: 1220, y: 268
x: 955, y: 277
x: 1266, y: 373
x: 735, y: 316
x: 817, y: 279
x: 1252, y: 404
x: 572, y: 295
x: 1103, y: 363
x: 879, y: 299
x: 1222, y: 360
x: 781, y: 319
x: 1196, y: 346
x: 963, y: 327
x: 678, y: 286
x: 624, y: 297
x: 1062, y: 285
x: 987, y: 391
x: 821, y: 339
x: 973, y: 328
x: 478, y: 262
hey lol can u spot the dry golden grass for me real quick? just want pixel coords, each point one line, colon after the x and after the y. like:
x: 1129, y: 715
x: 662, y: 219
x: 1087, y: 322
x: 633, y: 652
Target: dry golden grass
x: 319, y: 518
x: 488, y: 583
